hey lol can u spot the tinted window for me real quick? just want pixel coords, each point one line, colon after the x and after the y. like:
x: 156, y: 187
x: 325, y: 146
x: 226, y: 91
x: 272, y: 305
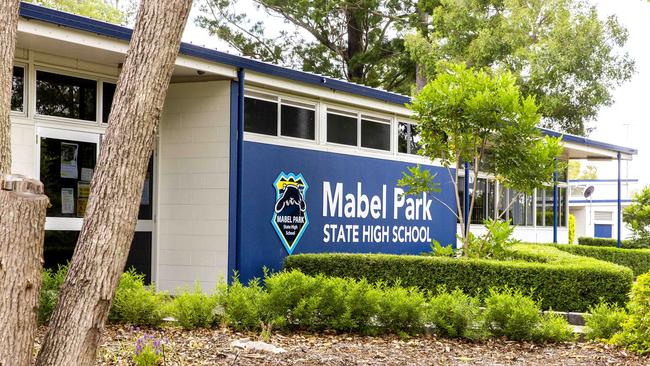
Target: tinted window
x: 107, y: 100
x: 341, y: 129
x: 408, y: 141
x: 18, y: 89
x: 298, y: 122
x: 65, y: 96
x: 260, y: 116
x: 375, y: 135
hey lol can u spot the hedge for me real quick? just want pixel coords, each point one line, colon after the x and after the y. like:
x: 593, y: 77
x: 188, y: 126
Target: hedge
x: 607, y: 242
x: 636, y: 259
x: 559, y: 280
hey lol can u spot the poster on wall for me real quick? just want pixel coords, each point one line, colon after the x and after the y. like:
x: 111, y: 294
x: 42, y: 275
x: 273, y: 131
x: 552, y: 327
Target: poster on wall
x: 69, y: 157
x: 83, y: 191
x: 67, y: 200
x: 86, y: 174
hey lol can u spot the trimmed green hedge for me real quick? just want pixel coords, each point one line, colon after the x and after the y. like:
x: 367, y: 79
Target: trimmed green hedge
x: 636, y: 259
x: 607, y: 242
x: 561, y: 281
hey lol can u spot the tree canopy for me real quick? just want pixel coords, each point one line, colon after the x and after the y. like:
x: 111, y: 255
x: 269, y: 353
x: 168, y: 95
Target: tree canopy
x: 95, y: 9
x: 559, y: 51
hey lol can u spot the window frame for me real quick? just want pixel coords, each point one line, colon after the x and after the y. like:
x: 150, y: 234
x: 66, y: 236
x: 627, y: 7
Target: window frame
x: 26, y: 85
x: 409, y: 138
x: 360, y: 115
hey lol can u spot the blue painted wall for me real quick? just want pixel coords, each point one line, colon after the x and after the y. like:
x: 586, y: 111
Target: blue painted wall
x: 260, y: 243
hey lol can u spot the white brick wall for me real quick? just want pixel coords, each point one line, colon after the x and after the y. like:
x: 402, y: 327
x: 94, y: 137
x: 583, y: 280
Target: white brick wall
x: 23, y: 142
x: 192, y: 238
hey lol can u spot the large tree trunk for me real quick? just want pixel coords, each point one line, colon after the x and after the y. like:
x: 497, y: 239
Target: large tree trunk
x: 21, y: 255
x: 355, y: 46
x: 116, y: 187
x: 8, y: 25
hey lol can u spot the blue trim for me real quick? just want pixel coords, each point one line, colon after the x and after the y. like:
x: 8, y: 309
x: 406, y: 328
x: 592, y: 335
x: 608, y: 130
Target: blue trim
x: 599, y: 201
x: 232, y: 182
x: 466, y: 199
x: 618, y: 203
x: 602, y: 180
x: 35, y: 12
x: 555, y: 203
x: 588, y: 142
x: 241, y: 78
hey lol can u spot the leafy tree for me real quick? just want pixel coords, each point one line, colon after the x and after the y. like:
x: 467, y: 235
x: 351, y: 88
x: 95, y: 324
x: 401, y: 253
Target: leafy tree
x: 469, y: 115
x: 576, y: 171
x: 637, y: 215
x: 96, y: 9
x: 356, y: 40
x: 558, y: 50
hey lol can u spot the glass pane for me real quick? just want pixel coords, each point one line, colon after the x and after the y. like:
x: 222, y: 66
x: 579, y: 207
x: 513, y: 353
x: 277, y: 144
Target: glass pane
x: 518, y: 208
x: 298, y: 122
x: 562, y: 221
x: 341, y: 129
x: 66, y: 169
x: 403, y: 137
x: 59, y: 246
x: 503, y: 203
x: 479, y: 210
x: 540, y: 207
x: 260, y: 116
x: 146, y: 205
x: 107, y: 100
x: 65, y: 96
x: 18, y: 89
x: 529, y: 209
x: 375, y: 135
x: 414, y: 147
x: 491, y: 197
x: 548, y: 210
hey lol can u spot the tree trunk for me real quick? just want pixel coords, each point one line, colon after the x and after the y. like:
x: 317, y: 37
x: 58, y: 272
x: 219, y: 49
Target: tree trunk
x: 355, y: 46
x: 21, y: 255
x: 101, y: 252
x: 8, y: 25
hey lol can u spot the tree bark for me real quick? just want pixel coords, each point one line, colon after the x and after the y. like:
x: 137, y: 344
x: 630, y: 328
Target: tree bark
x: 21, y: 254
x: 9, y: 10
x: 103, y: 245
x: 355, y: 46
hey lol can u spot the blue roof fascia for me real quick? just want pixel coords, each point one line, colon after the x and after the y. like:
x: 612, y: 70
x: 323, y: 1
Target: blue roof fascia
x: 31, y: 11
x: 588, y: 142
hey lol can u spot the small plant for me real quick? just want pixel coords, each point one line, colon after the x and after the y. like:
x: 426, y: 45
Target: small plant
x: 438, y: 250
x: 362, y: 305
x: 636, y: 327
x: 195, y: 309
x: 454, y: 314
x: 49, y: 296
x: 401, y: 309
x: 603, y: 321
x: 495, y: 243
x: 136, y: 303
x: 245, y: 306
x: 148, y: 351
x: 572, y: 229
x: 553, y: 328
x: 511, y: 314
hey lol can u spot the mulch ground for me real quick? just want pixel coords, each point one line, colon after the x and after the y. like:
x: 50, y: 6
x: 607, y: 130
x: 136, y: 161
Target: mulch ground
x: 212, y: 347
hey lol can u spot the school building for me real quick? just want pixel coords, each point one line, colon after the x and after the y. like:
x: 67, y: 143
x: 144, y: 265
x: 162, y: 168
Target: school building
x: 254, y: 161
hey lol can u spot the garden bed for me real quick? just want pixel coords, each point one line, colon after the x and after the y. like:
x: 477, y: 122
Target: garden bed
x: 212, y: 347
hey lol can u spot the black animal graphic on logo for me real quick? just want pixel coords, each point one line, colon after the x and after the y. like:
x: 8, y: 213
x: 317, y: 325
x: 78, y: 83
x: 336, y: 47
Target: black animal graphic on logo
x: 292, y: 196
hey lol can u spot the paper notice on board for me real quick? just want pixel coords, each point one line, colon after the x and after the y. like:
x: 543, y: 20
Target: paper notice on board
x: 67, y: 200
x: 86, y: 174
x: 83, y: 191
x: 69, y: 157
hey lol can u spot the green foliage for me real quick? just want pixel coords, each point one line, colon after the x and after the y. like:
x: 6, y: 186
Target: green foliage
x: 603, y: 321
x: 558, y: 279
x: 49, y: 296
x: 572, y: 229
x: 135, y: 303
x: 636, y: 259
x: 553, y: 328
x: 509, y: 313
x: 195, y: 309
x: 606, y: 242
x: 636, y: 328
x: 544, y: 44
x: 438, y: 250
x: 493, y: 244
x: 401, y: 309
x: 361, y: 40
x: 637, y: 215
x: 455, y: 314
x: 244, y: 307
x: 148, y: 351
x: 95, y: 9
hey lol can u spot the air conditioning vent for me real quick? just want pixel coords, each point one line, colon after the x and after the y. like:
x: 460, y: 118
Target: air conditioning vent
x: 603, y: 215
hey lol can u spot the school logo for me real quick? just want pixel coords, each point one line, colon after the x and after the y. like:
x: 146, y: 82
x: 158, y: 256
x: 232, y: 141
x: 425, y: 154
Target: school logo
x: 290, y: 216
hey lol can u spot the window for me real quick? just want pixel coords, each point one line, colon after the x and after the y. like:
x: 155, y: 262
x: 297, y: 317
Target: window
x: 296, y: 121
x: 66, y: 96
x: 408, y: 140
x: 375, y: 135
x: 342, y: 129
x: 108, y: 92
x: 491, y: 198
x: 260, y: 116
x: 18, y: 89
x: 540, y: 207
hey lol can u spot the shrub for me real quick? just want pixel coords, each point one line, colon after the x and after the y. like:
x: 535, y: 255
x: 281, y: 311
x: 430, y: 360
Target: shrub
x: 195, y: 309
x: 362, y: 304
x: 558, y: 279
x: 636, y: 259
x: 49, y: 296
x: 603, y: 321
x: 493, y: 244
x: 244, y: 306
x: 136, y: 303
x: 606, y: 242
x: 572, y: 229
x: 636, y: 328
x: 401, y: 310
x: 454, y: 314
x: 553, y: 327
x: 148, y: 351
x: 511, y: 314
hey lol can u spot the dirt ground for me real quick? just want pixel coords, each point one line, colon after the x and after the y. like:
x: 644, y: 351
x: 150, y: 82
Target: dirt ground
x: 213, y: 347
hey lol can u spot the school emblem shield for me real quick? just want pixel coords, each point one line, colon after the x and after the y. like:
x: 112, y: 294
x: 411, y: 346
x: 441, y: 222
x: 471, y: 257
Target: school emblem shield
x: 290, y: 212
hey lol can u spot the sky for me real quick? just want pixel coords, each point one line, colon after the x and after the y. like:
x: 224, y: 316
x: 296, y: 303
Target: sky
x: 625, y: 123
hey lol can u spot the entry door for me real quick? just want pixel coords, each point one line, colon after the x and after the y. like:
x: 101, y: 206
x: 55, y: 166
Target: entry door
x: 66, y: 163
x: 603, y: 230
